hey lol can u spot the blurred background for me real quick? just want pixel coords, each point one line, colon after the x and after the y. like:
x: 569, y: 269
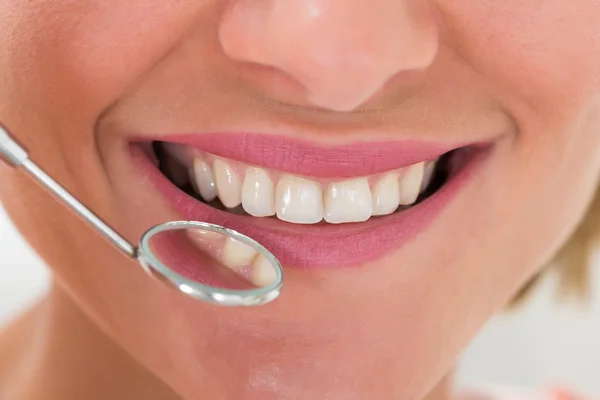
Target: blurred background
x: 543, y: 344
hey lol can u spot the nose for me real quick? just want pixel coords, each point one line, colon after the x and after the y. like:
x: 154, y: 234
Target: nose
x: 342, y: 52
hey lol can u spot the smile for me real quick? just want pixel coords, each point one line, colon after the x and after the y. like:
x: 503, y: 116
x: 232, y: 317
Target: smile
x: 250, y: 190
x: 312, y: 207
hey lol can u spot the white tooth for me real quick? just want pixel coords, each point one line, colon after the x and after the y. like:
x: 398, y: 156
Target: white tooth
x: 298, y: 200
x: 203, y: 180
x: 175, y: 171
x: 348, y: 201
x: 258, y: 193
x: 236, y: 254
x: 263, y: 273
x: 428, y: 174
x: 410, y: 183
x: 386, y: 195
x: 229, y: 185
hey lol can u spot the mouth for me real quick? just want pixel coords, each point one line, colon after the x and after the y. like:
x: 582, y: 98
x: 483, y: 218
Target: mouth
x: 312, y: 207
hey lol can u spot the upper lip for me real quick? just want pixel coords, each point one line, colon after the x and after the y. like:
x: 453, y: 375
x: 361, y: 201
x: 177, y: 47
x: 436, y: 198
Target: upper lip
x: 303, y: 158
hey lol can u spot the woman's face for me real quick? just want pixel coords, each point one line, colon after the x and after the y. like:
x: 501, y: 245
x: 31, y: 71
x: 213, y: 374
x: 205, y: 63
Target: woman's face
x: 328, y: 90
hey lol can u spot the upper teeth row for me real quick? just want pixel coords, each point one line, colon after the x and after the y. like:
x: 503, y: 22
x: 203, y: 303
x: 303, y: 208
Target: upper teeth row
x: 297, y: 199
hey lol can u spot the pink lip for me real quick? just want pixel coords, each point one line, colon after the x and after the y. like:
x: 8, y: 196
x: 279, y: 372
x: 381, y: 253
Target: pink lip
x: 303, y: 158
x: 321, y: 245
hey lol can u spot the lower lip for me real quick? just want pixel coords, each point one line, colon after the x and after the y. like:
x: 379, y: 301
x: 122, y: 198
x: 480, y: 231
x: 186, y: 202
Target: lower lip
x: 322, y: 245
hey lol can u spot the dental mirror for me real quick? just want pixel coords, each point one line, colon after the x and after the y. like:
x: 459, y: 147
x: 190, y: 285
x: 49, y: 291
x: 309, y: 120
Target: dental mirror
x: 204, y: 261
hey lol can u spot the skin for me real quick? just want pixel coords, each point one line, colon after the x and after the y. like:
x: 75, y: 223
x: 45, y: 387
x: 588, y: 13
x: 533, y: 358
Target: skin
x: 80, y: 78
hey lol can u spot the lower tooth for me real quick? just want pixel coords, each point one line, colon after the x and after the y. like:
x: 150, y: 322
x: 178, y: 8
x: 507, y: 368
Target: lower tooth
x: 263, y: 273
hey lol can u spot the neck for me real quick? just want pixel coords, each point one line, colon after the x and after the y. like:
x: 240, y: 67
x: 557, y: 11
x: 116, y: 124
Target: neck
x: 55, y: 352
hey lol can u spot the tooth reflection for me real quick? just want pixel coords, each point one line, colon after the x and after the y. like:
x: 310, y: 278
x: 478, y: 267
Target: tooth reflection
x: 263, y: 273
x: 236, y: 254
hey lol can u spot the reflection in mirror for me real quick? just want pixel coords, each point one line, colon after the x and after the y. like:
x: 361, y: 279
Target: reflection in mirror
x: 212, y: 258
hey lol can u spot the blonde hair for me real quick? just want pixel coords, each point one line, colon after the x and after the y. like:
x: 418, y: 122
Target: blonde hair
x: 574, y: 261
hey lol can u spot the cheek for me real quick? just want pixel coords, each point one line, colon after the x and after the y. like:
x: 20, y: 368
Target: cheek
x: 81, y: 56
x: 65, y: 62
x: 542, y: 55
x: 541, y: 60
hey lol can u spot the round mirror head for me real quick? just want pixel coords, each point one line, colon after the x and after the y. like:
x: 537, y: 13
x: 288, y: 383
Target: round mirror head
x: 211, y: 263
